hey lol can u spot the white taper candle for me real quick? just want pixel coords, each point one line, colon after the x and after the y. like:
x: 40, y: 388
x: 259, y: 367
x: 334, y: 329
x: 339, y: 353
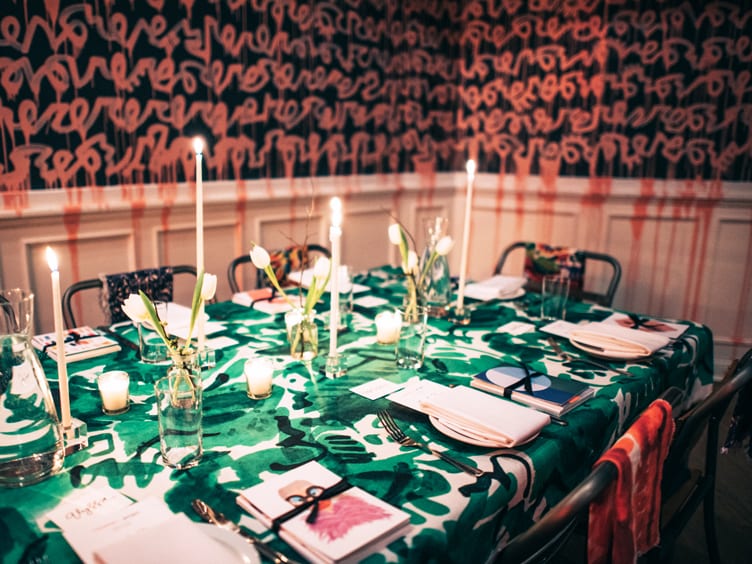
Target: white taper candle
x: 62, y: 367
x: 335, y: 236
x: 198, y: 147
x: 466, y: 234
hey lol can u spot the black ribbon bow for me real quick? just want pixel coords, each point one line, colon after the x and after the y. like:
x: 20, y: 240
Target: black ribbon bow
x: 312, y: 501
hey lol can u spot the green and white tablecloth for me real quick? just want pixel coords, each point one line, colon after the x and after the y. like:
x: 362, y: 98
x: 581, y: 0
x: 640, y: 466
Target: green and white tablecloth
x: 454, y: 517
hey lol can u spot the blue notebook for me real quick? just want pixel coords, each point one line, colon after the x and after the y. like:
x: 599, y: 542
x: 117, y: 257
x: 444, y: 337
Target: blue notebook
x: 546, y: 393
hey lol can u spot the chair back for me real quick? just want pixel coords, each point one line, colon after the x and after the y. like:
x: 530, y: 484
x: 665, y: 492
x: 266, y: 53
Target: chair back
x: 283, y: 262
x: 577, y: 260
x: 548, y: 536
x: 114, y: 289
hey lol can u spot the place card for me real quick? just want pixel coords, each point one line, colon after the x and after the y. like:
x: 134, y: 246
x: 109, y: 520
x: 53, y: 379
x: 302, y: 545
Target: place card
x: 83, y: 505
x: 416, y: 391
x: 377, y: 388
x: 370, y: 302
x: 516, y: 328
x: 221, y: 343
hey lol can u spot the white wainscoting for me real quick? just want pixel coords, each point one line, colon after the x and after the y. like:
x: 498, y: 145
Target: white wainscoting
x: 684, y: 247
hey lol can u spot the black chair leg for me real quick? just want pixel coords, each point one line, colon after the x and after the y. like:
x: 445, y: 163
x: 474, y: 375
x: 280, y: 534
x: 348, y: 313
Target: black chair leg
x: 710, y: 531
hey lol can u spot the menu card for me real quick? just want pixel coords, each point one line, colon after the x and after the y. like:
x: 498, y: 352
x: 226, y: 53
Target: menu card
x: 80, y: 343
x: 322, y: 516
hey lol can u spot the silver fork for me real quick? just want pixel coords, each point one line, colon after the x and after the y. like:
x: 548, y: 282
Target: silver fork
x: 569, y: 358
x: 399, y: 436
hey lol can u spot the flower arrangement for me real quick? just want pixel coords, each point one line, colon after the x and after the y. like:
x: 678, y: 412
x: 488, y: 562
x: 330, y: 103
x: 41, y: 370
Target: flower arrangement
x: 140, y: 309
x: 301, y: 329
x: 414, y: 272
x: 321, y: 273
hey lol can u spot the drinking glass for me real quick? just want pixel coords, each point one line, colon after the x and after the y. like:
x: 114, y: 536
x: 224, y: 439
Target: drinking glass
x: 554, y: 294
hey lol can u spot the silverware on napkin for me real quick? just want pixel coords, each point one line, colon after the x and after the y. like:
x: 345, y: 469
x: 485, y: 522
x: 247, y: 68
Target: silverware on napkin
x: 216, y: 518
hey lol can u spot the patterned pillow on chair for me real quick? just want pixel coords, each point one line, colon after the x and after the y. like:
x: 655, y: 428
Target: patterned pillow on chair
x: 542, y: 260
x: 288, y: 260
x: 156, y: 283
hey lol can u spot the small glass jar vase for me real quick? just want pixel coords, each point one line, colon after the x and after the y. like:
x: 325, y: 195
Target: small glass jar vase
x: 436, y: 284
x: 302, y: 334
x: 410, y: 346
x: 179, y: 397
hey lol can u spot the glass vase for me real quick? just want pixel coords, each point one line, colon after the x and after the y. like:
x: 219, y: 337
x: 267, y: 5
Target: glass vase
x: 302, y: 334
x: 31, y: 439
x: 179, y: 397
x: 436, y: 283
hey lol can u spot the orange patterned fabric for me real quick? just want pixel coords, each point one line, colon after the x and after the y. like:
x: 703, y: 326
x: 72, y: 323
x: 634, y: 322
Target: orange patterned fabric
x: 542, y: 260
x: 288, y: 260
x: 625, y: 520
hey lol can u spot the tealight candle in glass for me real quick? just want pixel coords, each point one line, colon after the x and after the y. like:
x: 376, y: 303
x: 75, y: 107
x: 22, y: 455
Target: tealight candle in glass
x: 113, y: 389
x: 388, y: 324
x: 258, y: 376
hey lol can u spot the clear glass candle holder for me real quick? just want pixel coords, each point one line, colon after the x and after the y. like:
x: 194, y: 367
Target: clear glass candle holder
x: 113, y: 389
x: 258, y: 376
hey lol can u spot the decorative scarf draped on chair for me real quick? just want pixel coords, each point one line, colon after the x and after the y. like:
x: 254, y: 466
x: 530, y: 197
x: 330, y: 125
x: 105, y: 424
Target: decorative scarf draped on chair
x: 625, y: 519
x: 156, y: 283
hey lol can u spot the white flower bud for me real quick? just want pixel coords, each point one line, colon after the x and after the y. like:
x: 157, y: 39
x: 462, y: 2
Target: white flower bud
x: 395, y: 233
x: 444, y: 245
x: 260, y: 257
x: 209, y: 287
x: 135, y: 309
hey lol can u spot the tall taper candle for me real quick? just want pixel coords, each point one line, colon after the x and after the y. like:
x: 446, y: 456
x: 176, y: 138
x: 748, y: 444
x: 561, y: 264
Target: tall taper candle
x: 335, y: 236
x: 198, y: 147
x: 62, y: 367
x: 466, y: 234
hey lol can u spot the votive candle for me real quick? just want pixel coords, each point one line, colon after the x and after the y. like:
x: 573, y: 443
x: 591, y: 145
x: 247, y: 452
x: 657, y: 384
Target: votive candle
x: 388, y: 325
x: 258, y: 376
x: 113, y: 389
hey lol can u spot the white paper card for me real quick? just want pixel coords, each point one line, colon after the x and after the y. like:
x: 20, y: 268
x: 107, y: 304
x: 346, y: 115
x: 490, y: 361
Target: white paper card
x: 370, y: 302
x: 516, y: 328
x: 221, y: 343
x: 416, y: 391
x: 377, y: 388
x: 560, y: 328
x: 83, y: 505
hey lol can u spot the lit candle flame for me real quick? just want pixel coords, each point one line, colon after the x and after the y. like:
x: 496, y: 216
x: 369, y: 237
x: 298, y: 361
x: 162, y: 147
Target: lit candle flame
x: 198, y: 145
x: 51, y: 259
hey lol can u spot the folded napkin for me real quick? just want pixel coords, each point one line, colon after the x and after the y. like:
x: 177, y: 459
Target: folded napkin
x: 609, y: 339
x: 624, y: 521
x: 494, y: 418
x: 498, y: 287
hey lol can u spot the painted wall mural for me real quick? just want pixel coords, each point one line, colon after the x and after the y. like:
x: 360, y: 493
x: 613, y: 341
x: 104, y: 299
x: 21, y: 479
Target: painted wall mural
x: 110, y: 92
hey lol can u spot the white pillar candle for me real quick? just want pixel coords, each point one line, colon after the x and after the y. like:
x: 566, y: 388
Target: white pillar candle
x: 466, y: 234
x: 198, y: 147
x: 388, y: 325
x: 62, y: 367
x: 335, y: 236
x: 113, y: 389
x: 258, y: 376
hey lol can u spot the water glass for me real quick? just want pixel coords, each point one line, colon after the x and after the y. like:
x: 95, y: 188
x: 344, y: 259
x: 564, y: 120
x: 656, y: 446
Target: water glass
x: 411, y: 343
x: 151, y: 346
x: 554, y: 295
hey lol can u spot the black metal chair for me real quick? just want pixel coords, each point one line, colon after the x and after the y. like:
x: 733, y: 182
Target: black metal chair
x: 684, y: 488
x: 605, y: 298
x: 280, y: 261
x: 545, y: 540
x: 112, y: 316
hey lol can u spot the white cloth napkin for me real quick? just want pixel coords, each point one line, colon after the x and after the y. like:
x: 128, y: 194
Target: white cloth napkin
x: 609, y: 339
x: 500, y: 420
x: 499, y: 286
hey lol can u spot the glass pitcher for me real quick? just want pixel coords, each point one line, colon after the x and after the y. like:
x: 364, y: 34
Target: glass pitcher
x: 436, y: 287
x: 31, y: 440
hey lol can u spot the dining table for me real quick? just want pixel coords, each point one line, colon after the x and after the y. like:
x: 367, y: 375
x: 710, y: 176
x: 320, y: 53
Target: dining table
x: 454, y: 516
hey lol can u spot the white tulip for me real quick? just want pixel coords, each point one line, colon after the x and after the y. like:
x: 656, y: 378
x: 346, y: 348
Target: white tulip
x: 209, y: 287
x: 412, y: 261
x: 395, y: 234
x: 135, y: 309
x: 260, y: 257
x: 444, y: 245
x: 321, y: 268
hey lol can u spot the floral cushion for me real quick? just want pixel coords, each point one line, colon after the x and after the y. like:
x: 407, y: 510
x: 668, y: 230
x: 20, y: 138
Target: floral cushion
x: 542, y: 260
x: 156, y: 283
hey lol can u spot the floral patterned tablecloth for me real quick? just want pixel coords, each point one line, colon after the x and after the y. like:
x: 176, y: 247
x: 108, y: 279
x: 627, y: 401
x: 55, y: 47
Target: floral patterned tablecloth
x: 455, y: 517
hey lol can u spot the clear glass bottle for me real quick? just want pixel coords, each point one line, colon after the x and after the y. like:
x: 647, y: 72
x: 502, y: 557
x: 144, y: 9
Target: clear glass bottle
x: 436, y: 283
x: 31, y: 440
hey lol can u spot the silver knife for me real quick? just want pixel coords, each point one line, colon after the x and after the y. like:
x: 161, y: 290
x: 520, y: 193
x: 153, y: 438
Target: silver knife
x: 216, y: 518
x: 568, y: 357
